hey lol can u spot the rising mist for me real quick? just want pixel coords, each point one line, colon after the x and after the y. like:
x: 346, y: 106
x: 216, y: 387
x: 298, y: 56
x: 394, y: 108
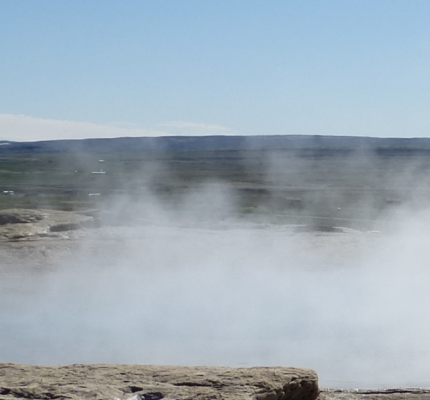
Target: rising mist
x: 193, y: 283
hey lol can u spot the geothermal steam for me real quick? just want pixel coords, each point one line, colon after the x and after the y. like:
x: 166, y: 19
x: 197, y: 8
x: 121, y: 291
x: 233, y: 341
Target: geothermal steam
x: 185, y: 289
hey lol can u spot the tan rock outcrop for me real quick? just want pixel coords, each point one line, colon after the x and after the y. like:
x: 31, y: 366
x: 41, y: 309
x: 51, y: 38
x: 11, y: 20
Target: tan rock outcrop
x: 138, y: 382
x: 26, y: 224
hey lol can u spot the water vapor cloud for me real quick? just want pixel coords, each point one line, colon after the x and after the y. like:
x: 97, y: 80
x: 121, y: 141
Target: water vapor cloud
x: 186, y: 280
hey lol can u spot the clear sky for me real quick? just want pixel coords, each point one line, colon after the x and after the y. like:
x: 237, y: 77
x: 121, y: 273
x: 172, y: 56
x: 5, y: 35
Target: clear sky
x: 79, y: 68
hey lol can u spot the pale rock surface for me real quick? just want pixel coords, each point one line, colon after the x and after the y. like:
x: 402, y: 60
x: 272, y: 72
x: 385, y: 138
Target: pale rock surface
x: 383, y: 394
x: 26, y: 224
x: 139, y: 382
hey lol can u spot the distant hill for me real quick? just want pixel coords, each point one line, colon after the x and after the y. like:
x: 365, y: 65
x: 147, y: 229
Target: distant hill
x: 319, y: 144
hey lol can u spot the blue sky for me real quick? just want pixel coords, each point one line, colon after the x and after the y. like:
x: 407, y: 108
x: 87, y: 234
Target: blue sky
x: 79, y: 68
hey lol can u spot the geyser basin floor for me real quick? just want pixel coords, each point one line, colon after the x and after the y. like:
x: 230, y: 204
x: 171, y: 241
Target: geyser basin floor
x: 352, y: 306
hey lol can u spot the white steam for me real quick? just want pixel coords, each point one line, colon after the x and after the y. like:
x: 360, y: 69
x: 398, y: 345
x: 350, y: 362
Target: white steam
x: 191, y: 287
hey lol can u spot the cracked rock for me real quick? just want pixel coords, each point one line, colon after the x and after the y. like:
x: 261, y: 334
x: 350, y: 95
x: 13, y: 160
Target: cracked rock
x: 139, y: 382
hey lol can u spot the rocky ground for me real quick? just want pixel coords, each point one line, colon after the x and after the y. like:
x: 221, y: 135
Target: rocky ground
x: 387, y: 394
x: 30, y: 238
x: 25, y: 224
x: 138, y: 382
x: 155, y: 382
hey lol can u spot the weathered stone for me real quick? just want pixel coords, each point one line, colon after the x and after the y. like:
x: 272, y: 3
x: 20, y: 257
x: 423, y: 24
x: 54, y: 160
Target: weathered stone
x: 20, y: 216
x: 16, y: 224
x: 384, y: 394
x: 140, y: 382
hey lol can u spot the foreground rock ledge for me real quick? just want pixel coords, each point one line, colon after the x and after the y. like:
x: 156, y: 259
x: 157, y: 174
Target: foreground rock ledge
x: 138, y: 382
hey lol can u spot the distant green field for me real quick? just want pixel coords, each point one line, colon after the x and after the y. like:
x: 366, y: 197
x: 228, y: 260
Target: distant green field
x: 267, y: 184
